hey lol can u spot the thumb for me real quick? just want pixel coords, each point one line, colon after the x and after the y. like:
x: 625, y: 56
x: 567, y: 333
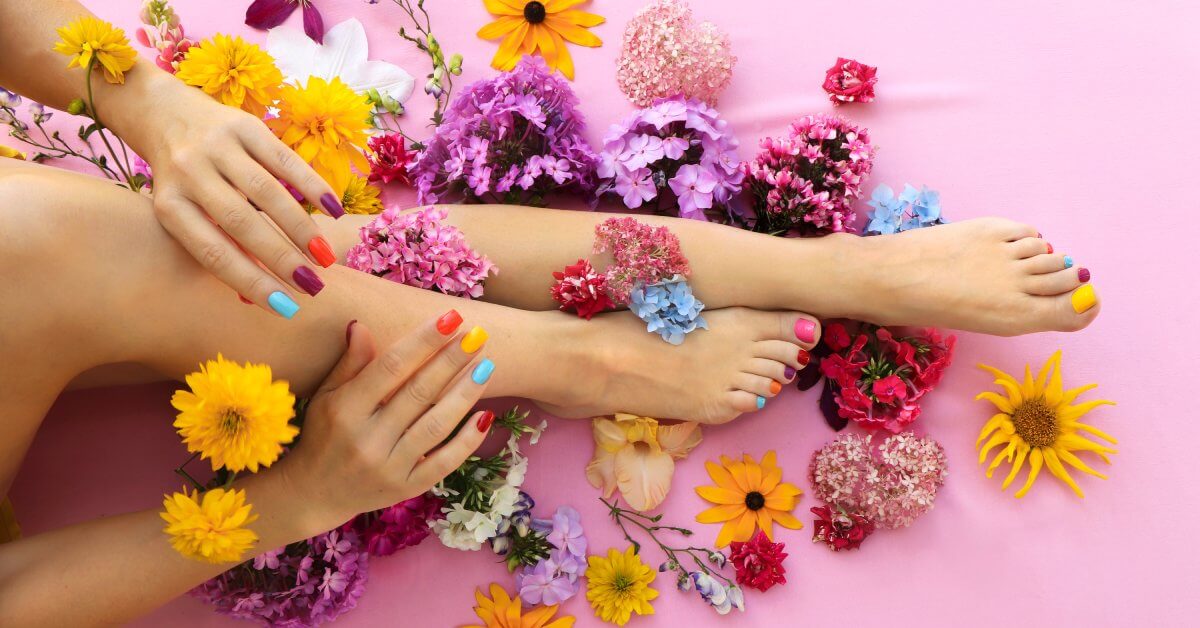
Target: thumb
x: 360, y: 350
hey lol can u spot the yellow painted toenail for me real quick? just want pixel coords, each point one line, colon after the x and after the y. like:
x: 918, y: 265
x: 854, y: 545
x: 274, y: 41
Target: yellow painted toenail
x: 1083, y: 298
x: 474, y: 340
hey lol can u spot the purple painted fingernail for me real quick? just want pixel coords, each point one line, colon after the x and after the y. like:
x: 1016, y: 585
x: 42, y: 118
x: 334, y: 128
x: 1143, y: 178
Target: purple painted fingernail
x: 307, y: 280
x: 332, y: 206
x: 789, y: 373
x: 1085, y: 275
x: 805, y: 330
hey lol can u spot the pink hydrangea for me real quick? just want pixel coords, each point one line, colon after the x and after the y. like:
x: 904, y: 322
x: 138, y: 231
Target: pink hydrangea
x: 416, y: 249
x: 806, y: 183
x: 891, y: 484
x: 642, y: 255
x: 665, y: 52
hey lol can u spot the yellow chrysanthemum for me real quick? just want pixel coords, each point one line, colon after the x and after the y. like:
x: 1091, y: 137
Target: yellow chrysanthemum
x: 542, y: 26
x: 87, y: 38
x: 748, y: 494
x: 325, y: 122
x: 9, y: 152
x: 619, y: 586
x: 210, y: 527
x: 235, y: 415
x: 502, y: 611
x: 361, y: 197
x: 1038, y: 422
x: 233, y: 71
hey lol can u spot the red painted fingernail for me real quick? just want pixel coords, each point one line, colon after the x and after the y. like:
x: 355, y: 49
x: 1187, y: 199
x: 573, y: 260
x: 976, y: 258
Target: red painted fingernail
x: 803, y: 358
x: 321, y: 251
x: 485, y: 420
x: 1049, y: 248
x: 349, y: 329
x: 448, y: 322
x: 1085, y: 275
x: 331, y: 205
x: 245, y: 300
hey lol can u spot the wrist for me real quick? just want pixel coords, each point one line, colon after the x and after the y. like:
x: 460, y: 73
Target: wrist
x: 287, y: 511
x: 139, y: 110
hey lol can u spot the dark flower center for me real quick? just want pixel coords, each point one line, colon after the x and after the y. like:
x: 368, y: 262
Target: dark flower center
x: 755, y: 500
x: 535, y: 12
x: 1036, y: 422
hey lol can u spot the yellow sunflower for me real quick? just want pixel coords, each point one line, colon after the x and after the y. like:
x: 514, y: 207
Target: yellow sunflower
x: 542, y: 26
x: 325, y: 122
x: 502, y: 611
x: 361, y: 197
x: 89, y: 38
x: 211, y: 527
x: 1038, y: 422
x: 233, y: 71
x: 235, y: 415
x: 619, y: 586
x: 748, y: 494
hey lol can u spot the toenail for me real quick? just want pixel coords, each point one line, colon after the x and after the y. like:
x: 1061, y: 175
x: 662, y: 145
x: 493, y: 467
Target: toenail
x: 1085, y: 275
x: 806, y: 330
x: 1084, y: 298
x: 803, y: 358
x: 789, y: 373
x: 776, y: 387
x: 1067, y: 261
x: 761, y: 402
x: 1049, y: 248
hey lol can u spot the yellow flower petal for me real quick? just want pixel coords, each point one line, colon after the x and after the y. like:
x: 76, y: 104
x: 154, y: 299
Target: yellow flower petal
x: 725, y: 536
x: 721, y: 513
x: 572, y: 33
x: 745, y: 526
x: 993, y: 423
x: 504, y: 7
x: 506, y: 56
x: 501, y: 26
x: 554, y: 6
x: 581, y: 18
x: 566, y: 64
x: 1005, y: 454
x: 1035, y: 465
x: 1001, y: 403
x: 1056, y: 469
x: 762, y: 518
x: 718, y: 495
x: 1074, y: 461
x: 786, y: 520
x: 1022, y: 451
x: 720, y: 475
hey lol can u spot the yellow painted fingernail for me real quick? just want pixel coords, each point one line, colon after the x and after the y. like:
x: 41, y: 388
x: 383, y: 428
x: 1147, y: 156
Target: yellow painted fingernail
x: 474, y: 340
x: 1083, y: 298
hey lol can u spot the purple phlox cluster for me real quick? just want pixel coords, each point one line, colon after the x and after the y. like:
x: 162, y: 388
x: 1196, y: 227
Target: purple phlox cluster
x: 677, y: 154
x: 668, y: 308
x: 416, y: 249
x: 556, y: 578
x: 913, y: 209
x: 387, y: 531
x: 512, y: 138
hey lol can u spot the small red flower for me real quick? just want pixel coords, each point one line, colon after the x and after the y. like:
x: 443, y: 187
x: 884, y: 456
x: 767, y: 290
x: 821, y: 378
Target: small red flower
x: 889, y: 389
x: 839, y: 529
x: 581, y: 289
x: 850, y: 81
x: 389, y: 159
x: 758, y: 563
x: 836, y: 336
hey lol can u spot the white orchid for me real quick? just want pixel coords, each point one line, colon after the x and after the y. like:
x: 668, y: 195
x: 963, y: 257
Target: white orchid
x: 343, y: 55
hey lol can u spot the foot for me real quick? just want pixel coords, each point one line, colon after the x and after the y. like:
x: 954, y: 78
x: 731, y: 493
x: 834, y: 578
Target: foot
x: 737, y: 365
x: 989, y: 275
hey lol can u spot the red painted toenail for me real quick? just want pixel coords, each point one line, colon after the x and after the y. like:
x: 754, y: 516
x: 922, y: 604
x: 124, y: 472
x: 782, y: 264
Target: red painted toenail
x: 1049, y: 248
x: 803, y: 358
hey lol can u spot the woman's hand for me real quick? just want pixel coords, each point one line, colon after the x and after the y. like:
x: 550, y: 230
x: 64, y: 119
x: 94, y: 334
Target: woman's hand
x: 372, y: 431
x: 214, y: 167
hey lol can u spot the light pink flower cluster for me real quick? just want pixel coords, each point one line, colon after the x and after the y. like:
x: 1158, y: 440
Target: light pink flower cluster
x: 891, y: 484
x: 805, y: 183
x: 416, y: 249
x: 665, y: 53
x: 162, y: 31
x: 642, y: 255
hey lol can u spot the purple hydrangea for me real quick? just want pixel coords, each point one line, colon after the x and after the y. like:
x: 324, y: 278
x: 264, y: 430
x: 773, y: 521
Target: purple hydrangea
x: 668, y: 308
x: 676, y: 156
x: 513, y: 138
x: 555, y: 579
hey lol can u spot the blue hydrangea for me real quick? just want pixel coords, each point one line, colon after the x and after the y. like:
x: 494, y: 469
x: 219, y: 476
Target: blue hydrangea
x: 912, y: 209
x: 669, y: 309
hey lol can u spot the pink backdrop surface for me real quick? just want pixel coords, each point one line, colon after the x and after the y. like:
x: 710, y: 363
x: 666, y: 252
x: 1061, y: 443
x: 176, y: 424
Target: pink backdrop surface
x: 1078, y: 117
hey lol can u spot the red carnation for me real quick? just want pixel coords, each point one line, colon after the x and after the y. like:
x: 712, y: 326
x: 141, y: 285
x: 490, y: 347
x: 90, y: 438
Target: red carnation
x: 758, y: 562
x: 850, y: 81
x: 389, y: 159
x: 840, y: 530
x: 581, y: 289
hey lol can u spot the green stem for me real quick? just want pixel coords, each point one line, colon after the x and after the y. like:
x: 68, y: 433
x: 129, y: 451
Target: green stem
x: 183, y: 472
x: 91, y: 103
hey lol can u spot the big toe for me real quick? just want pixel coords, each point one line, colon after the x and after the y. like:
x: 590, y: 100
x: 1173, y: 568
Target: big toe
x: 1073, y: 310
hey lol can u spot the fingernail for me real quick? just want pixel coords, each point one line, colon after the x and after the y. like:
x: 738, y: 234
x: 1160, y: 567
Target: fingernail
x: 448, y: 322
x: 245, y: 300
x: 322, y: 252
x: 789, y: 373
x: 1085, y: 275
x: 776, y: 387
x: 349, y: 329
x: 483, y: 371
x: 474, y: 340
x: 803, y: 358
x: 332, y: 206
x: 485, y: 420
x: 761, y: 402
x: 805, y: 330
x: 1049, y: 248
x: 283, y: 304
x: 307, y: 280
x: 1084, y: 298
x: 1067, y: 261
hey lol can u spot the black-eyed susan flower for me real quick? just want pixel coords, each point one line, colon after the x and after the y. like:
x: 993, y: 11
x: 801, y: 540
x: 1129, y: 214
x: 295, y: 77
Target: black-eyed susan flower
x: 90, y: 40
x: 1037, y: 423
x: 748, y: 494
x: 233, y: 71
x: 545, y: 27
x: 505, y: 611
x: 210, y: 527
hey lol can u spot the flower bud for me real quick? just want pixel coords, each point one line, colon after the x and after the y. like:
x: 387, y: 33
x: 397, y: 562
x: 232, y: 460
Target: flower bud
x: 76, y: 107
x: 456, y: 64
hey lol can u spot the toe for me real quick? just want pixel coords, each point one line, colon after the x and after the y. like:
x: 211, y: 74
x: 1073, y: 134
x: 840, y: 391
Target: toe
x: 1055, y: 283
x: 762, y: 386
x: 1029, y: 247
x: 1074, y: 310
x: 786, y: 353
x: 742, y: 401
x: 794, y: 327
x: 776, y: 370
x: 1011, y: 230
x: 1046, y: 263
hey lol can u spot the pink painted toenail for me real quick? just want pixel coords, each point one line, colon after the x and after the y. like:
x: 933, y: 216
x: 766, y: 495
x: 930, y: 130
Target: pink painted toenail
x: 1085, y: 275
x: 805, y: 330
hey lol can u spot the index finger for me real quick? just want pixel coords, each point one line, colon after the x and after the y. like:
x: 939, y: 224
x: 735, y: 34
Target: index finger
x: 284, y: 163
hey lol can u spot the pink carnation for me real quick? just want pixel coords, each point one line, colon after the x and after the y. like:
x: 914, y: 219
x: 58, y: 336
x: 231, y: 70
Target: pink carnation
x: 666, y: 53
x: 850, y: 81
x: 389, y: 159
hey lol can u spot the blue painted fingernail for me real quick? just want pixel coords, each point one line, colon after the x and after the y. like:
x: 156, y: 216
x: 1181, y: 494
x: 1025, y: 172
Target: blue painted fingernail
x: 283, y: 304
x: 1068, y: 261
x: 483, y: 372
x: 761, y: 402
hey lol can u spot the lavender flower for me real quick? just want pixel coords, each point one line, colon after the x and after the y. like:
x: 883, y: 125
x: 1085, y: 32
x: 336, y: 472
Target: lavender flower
x: 723, y: 599
x: 668, y: 308
x: 555, y: 579
x: 9, y: 99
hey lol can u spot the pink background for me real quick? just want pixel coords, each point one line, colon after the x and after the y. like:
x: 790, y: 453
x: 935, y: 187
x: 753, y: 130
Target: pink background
x: 1078, y: 117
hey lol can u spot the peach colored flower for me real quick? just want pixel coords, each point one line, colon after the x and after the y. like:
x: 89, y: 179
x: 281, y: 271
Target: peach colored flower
x: 637, y: 455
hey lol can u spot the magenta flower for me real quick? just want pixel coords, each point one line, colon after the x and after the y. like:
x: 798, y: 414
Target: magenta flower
x: 266, y: 14
x: 694, y: 186
x: 635, y: 187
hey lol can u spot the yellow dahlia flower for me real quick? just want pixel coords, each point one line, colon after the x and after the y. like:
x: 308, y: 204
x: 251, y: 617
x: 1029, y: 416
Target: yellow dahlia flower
x: 233, y: 71
x: 502, y: 611
x: 361, y: 197
x: 1038, y: 422
x: 619, y: 586
x: 88, y: 38
x: 235, y: 415
x: 326, y: 123
x: 209, y: 527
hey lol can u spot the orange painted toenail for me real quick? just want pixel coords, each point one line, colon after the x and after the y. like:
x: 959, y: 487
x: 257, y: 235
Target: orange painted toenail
x: 776, y: 387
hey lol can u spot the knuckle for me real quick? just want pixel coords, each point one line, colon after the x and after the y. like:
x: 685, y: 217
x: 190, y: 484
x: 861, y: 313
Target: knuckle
x: 394, y: 362
x: 284, y: 257
x: 420, y: 392
x: 431, y: 429
x: 236, y: 220
x: 214, y: 256
x: 286, y: 158
x: 259, y: 285
x: 261, y: 184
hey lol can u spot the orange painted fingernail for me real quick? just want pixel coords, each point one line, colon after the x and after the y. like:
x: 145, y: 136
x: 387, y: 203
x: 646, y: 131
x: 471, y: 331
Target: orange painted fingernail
x: 448, y: 322
x: 321, y: 251
x: 776, y: 387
